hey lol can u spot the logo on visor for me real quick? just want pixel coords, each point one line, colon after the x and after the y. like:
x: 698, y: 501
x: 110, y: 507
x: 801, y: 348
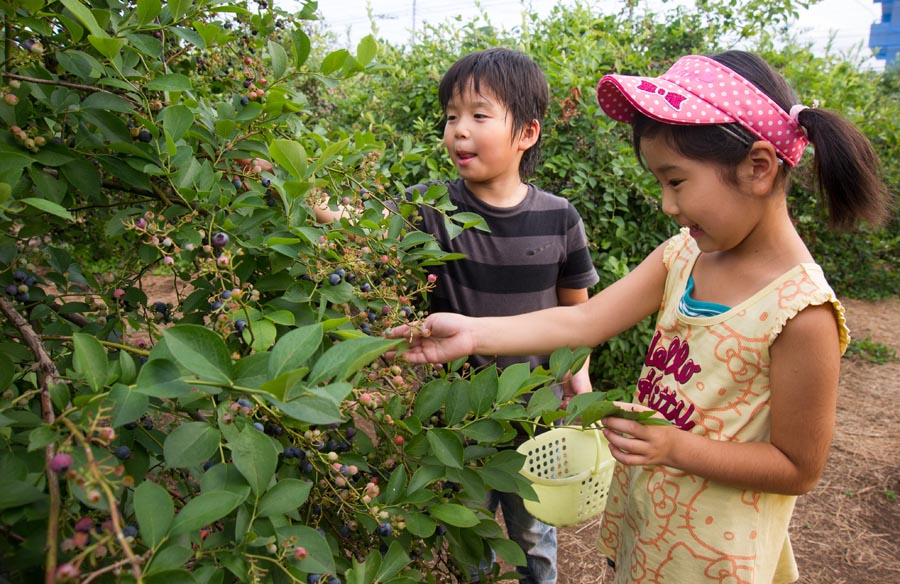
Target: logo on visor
x: 673, y: 99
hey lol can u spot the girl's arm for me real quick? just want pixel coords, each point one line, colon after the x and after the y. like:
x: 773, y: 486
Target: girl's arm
x: 804, y: 371
x: 444, y: 337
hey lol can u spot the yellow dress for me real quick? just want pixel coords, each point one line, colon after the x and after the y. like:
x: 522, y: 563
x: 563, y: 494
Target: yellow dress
x: 710, y: 376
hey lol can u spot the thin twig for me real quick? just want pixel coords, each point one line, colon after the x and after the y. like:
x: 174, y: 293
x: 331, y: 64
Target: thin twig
x: 47, y: 373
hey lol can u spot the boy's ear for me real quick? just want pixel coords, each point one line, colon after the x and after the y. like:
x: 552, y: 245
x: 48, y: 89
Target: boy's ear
x: 763, y: 166
x: 529, y: 135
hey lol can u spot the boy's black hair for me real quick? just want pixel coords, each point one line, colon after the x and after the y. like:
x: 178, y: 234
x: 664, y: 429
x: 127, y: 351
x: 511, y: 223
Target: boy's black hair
x: 516, y: 80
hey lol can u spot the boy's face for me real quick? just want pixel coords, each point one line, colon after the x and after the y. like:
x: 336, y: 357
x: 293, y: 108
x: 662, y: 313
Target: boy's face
x: 479, y: 139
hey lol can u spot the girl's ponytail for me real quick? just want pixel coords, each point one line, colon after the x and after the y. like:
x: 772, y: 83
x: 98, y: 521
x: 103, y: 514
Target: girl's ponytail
x: 847, y: 170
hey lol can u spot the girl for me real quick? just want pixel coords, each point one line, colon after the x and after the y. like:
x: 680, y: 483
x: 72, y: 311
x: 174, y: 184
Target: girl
x: 746, y: 353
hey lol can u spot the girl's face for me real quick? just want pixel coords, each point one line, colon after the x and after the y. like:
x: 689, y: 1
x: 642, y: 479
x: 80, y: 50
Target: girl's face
x: 720, y: 214
x: 479, y: 137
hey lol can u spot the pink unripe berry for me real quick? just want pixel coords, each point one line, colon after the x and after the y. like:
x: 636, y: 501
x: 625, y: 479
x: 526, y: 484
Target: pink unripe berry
x: 118, y: 293
x: 85, y: 524
x: 140, y: 223
x: 61, y: 463
x: 432, y: 278
x: 11, y: 98
x: 169, y: 261
x: 66, y: 572
x: 366, y: 399
x: 300, y: 553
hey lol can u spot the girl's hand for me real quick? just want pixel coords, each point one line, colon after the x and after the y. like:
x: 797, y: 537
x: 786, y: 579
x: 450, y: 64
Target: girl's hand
x: 636, y: 444
x: 440, y: 338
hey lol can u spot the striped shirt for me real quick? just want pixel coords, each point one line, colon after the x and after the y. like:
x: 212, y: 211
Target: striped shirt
x: 532, y: 249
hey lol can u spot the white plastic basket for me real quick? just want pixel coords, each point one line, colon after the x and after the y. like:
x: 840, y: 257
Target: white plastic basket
x: 570, y: 469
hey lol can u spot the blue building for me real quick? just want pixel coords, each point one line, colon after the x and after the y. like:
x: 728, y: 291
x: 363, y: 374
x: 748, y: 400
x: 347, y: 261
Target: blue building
x: 884, y: 36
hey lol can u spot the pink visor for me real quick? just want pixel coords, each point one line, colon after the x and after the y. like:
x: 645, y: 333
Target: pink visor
x: 698, y: 90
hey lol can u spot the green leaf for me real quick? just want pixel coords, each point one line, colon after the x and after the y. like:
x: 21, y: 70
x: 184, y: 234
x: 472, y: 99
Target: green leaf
x: 446, y: 446
x: 509, y: 550
x: 457, y: 406
x: 106, y: 45
x: 424, y: 476
x: 279, y: 59
x: 90, y: 360
x: 147, y: 10
x: 396, y: 485
x: 203, y: 510
x: 394, y: 561
x: 48, y: 207
x: 191, y: 444
x: 177, y: 119
x: 301, y: 46
x: 543, y: 400
x: 254, y: 455
x: 511, y: 380
x: 366, y: 50
x: 290, y: 155
x: 15, y: 494
x: 170, y: 82
x: 483, y: 390
x: 484, y: 430
x: 161, y: 378
x: 106, y: 101
x: 420, y: 525
x: 285, y: 496
x: 154, y: 510
x: 347, y: 357
x: 200, y: 351
x: 453, y: 514
x: 293, y: 349
x: 430, y: 397
x: 84, y: 15
x: 128, y: 404
x: 6, y: 371
x: 178, y: 8
x: 319, y: 559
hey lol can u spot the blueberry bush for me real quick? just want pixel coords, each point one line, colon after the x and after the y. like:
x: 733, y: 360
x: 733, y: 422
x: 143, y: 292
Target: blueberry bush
x: 250, y: 428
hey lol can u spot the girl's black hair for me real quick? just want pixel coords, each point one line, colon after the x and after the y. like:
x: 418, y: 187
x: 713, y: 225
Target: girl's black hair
x: 516, y: 80
x: 847, y: 170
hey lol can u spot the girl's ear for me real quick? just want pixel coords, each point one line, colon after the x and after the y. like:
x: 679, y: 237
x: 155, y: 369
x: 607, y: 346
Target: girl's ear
x: 529, y: 135
x: 764, y: 167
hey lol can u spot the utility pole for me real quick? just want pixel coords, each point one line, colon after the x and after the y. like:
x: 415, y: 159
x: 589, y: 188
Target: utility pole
x: 413, y: 37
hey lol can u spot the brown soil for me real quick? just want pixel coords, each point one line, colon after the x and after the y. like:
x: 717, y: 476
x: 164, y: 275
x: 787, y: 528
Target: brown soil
x: 847, y: 530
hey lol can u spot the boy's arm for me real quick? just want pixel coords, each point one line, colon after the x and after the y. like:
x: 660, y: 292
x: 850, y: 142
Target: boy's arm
x: 579, y: 382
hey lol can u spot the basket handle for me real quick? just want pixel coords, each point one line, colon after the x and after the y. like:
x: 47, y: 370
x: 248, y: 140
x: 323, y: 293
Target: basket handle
x: 597, y: 435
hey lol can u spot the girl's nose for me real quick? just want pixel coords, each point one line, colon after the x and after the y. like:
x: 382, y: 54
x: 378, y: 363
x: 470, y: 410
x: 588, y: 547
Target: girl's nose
x: 669, y: 205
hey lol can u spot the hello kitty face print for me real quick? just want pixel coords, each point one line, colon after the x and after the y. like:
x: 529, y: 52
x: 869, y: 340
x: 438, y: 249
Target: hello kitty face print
x: 699, y: 90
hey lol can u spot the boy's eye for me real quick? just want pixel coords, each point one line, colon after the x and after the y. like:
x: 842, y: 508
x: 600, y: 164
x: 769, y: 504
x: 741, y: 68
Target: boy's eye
x: 451, y: 118
x: 480, y: 116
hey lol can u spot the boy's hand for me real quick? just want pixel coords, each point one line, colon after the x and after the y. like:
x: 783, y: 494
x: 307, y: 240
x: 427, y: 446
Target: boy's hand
x: 441, y: 337
x: 575, y: 384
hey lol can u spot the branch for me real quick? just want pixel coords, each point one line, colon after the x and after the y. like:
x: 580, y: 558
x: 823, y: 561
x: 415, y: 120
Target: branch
x: 69, y: 84
x: 47, y: 373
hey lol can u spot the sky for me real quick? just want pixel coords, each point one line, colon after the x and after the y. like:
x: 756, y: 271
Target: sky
x: 846, y: 21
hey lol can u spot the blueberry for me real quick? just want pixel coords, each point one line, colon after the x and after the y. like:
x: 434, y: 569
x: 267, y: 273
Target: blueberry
x: 245, y: 403
x: 248, y: 82
x: 372, y: 316
x: 130, y: 531
x: 333, y: 580
x: 215, y: 305
x: 30, y: 281
x: 12, y: 290
x: 259, y: 426
x: 209, y: 464
x: 366, y: 328
x: 131, y: 425
x: 226, y: 294
x: 289, y: 452
x: 365, y: 287
x: 240, y: 324
x: 334, y: 279
x: 220, y: 239
x: 306, y: 467
x: 145, y: 136
x: 440, y: 530
x: 266, y: 182
x: 385, y: 529
x: 148, y: 423
x: 22, y: 297
x: 238, y: 183
x: 245, y: 100
x: 122, y: 452
x: 341, y: 272
x: 350, y: 432
x: 160, y: 307
x: 351, y: 278
x: 312, y: 578
x: 19, y: 276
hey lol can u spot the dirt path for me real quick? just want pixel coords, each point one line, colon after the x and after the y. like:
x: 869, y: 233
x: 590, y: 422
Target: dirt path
x: 847, y: 530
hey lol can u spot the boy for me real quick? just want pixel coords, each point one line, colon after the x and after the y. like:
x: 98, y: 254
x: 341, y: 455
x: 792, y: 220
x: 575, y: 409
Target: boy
x: 535, y: 255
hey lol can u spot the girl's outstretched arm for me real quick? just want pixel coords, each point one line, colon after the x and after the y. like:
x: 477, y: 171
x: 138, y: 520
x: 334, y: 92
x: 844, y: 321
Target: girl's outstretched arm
x: 443, y: 337
x: 804, y: 371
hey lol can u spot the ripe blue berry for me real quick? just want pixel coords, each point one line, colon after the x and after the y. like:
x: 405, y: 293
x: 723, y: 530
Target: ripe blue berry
x: 12, y: 290
x: 122, y: 452
x: 334, y: 279
x: 237, y: 182
x: 245, y: 403
x: 245, y: 100
x: 385, y: 529
x: 19, y: 276
x: 145, y: 136
x: 365, y: 287
x: 266, y: 182
x: 226, y: 294
x: 259, y: 426
x: 313, y: 578
x: 130, y: 531
x: 220, y: 239
x: 240, y: 324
